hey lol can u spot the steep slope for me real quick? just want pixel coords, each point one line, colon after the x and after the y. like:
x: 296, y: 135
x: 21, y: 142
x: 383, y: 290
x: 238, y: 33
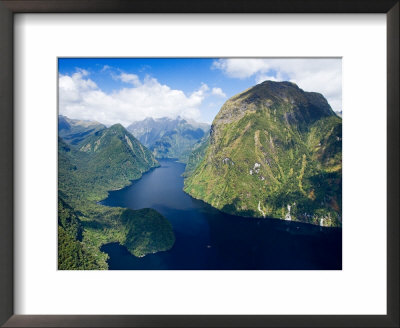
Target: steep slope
x: 115, y: 157
x: 106, y: 160
x: 274, y: 151
x: 168, y: 138
x: 74, y: 131
x: 197, y: 155
x: 150, y: 130
x: 72, y: 254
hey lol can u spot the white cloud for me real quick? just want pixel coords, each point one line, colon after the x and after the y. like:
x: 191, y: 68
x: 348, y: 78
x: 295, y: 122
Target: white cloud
x: 318, y: 75
x: 82, y: 71
x: 266, y: 77
x: 240, y: 68
x: 129, y: 78
x: 73, y: 86
x: 81, y: 98
x: 218, y: 92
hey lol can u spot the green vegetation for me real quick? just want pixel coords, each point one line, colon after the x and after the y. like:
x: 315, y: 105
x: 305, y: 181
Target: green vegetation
x: 72, y: 254
x: 197, y: 155
x: 274, y: 151
x: 105, y: 160
x: 143, y: 228
x: 108, y: 160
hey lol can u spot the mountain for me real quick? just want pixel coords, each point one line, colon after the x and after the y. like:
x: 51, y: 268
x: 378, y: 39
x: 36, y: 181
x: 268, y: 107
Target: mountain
x: 339, y: 113
x: 169, y: 138
x: 105, y: 160
x: 72, y: 253
x: 74, y: 131
x: 274, y: 151
x: 197, y: 155
x: 116, y: 157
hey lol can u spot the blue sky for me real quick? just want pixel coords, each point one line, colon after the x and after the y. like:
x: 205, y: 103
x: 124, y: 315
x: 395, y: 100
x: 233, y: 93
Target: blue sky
x: 122, y: 90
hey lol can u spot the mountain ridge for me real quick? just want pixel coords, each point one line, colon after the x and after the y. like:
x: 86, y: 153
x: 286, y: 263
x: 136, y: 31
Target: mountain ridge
x: 274, y: 151
x: 169, y: 138
x: 73, y: 131
x: 106, y: 160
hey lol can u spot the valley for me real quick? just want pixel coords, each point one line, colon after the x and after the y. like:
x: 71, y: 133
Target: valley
x: 208, y: 239
x: 259, y: 188
x: 108, y: 159
x: 170, y: 138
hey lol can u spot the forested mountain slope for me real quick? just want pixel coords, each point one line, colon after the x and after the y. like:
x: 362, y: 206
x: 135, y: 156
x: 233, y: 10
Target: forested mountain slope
x: 274, y: 151
x: 105, y: 160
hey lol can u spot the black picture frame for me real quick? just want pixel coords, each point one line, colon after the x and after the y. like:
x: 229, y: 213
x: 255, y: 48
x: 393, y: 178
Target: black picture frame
x: 7, y: 10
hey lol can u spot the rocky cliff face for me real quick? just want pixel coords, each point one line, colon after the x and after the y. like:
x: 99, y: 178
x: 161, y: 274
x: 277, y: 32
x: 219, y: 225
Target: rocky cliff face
x: 274, y: 151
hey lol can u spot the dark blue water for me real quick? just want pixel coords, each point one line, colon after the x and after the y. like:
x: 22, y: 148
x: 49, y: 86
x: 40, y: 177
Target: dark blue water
x: 209, y: 239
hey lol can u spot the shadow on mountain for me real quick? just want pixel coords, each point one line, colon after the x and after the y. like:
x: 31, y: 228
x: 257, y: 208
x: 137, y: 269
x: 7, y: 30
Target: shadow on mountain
x: 233, y: 209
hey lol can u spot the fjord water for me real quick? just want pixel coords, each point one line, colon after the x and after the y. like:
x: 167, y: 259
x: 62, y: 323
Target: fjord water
x: 209, y: 239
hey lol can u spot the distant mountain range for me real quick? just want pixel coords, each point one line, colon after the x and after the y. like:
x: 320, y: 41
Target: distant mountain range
x: 169, y: 138
x: 165, y: 137
x: 274, y: 151
x: 74, y: 131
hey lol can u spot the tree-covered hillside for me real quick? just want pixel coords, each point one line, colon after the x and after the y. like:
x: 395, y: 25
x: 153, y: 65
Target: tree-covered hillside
x: 106, y: 160
x: 197, y: 155
x: 274, y: 151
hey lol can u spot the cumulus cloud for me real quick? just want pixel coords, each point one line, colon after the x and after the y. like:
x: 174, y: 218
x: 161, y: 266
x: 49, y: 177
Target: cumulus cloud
x: 81, y: 98
x: 71, y: 87
x: 319, y: 75
x: 129, y: 78
x: 218, y: 92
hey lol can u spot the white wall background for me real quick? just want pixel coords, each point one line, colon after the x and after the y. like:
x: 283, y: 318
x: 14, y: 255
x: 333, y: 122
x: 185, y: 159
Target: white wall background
x: 360, y: 288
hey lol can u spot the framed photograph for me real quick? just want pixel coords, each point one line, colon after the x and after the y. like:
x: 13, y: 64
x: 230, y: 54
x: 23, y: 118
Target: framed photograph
x: 154, y: 186
x: 206, y: 165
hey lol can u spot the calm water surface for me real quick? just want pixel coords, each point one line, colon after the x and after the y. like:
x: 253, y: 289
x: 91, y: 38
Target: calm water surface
x: 209, y: 239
